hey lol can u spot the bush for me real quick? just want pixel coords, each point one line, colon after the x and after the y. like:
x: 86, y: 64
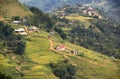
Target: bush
x: 60, y: 32
x: 81, y: 54
x: 3, y: 76
x: 101, y: 36
x: 14, y: 43
x: 64, y: 70
x: 5, y: 31
x: 41, y: 18
x: 16, y: 18
x: 20, y: 48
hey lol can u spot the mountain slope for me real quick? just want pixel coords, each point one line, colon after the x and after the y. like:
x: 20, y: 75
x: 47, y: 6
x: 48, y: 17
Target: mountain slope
x: 49, y: 5
x: 37, y: 58
x: 9, y: 8
x: 110, y: 7
x: 35, y: 62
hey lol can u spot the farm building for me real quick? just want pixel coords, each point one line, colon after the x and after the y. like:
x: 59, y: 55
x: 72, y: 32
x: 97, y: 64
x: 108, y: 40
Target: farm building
x: 32, y: 29
x: 20, y: 31
x: 16, y: 22
x: 60, y: 48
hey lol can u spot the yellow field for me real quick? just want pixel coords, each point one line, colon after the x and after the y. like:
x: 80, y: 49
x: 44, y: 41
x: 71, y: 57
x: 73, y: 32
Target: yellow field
x: 13, y: 8
x: 80, y: 18
x: 37, y: 50
x: 91, y: 66
x: 84, y: 20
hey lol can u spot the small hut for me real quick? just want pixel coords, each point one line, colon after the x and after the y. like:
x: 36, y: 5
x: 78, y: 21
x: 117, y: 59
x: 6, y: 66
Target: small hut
x: 20, y: 31
x: 61, y: 48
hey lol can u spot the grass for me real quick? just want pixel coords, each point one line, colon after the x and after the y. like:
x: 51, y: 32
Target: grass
x: 8, y: 67
x: 93, y: 64
x: 88, y: 69
x: 66, y: 29
x: 5, y: 62
x: 38, y: 56
x: 36, y: 67
x: 12, y: 8
x: 84, y: 20
x: 37, y: 50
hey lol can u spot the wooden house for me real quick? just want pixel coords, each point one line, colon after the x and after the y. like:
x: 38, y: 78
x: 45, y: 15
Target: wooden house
x: 61, y: 48
x: 20, y: 31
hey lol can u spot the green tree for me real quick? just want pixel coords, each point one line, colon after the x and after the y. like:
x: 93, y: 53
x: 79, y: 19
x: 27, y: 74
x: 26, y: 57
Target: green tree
x: 101, y: 36
x: 16, y: 18
x: 3, y: 76
x: 12, y: 42
x: 20, y: 47
x: 60, y: 32
x: 64, y: 70
x: 41, y: 18
x: 5, y: 30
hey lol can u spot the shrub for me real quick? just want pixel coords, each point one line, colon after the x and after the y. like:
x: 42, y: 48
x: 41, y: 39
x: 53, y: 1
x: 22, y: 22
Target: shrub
x: 3, y: 76
x: 64, y: 70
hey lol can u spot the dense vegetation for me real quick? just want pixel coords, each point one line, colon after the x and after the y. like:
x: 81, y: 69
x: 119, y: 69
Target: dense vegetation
x: 64, y: 70
x: 102, y: 36
x: 40, y: 19
x: 3, y: 76
x: 10, y: 41
x: 49, y: 5
x: 60, y: 32
x: 37, y: 58
x: 10, y: 8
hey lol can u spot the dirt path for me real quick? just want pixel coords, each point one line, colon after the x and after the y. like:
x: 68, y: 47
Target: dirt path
x: 52, y: 49
x: 66, y: 57
x: 51, y: 44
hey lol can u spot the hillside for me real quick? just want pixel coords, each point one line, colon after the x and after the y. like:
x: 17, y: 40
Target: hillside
x: 49, y: 5
x: 88, y: 27
x: 43, y: 51
x: 10, y: 8
x: 37, y: 58
x: 110, y: 7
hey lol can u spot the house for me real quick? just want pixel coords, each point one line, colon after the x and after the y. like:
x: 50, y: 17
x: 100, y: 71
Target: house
x: 84, y: 12
x: 25, y: 30
x: 74, y: 52
x: 91, y: 12
x: 61, y: 48
x: 90, y: 8
x: 16, y: 22
x: 20, y: 31
x: 32, y: 29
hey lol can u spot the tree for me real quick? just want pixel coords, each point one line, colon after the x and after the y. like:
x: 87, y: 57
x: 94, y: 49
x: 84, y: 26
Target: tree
x: 16, y: 18
x: 15, y: 43
x: 60, y: 32
x: 101, y: 36
x: 20, y: 47
x: 64, y: 70
x: 5, y: 30
x: 3, y: 76
x: 41, y: 18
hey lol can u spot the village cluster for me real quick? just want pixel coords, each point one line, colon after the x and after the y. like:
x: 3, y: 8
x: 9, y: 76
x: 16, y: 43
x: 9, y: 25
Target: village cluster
x: 25, y: 30
x: 82, y: 10
x: 28, y: 30
x: 91, y: 12
x: 66, y: 50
